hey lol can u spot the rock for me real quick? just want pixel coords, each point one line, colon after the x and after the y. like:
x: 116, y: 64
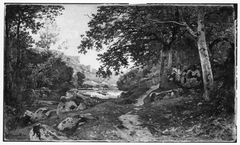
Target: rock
x: 70, y: 103
x: 81, y: 106
x: 28, y: 113
x: 71, y: 123
x: 65, y: 106
x: 40, y: 114
x: 51, y: 113
x: 44, y: 96
x: 42, y: 132
x: 70, y: 94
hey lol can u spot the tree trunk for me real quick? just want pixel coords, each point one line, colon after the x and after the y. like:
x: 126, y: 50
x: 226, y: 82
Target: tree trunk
x: 170, y: 57
x: 163, y: 72
x: 204, y: 56
x: 6, y: 62
x: 16, y: 70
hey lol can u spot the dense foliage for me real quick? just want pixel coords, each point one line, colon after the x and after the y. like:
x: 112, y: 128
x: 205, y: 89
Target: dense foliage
x: 80, y: 79
x: 26, y: 69
x: 149, y: 34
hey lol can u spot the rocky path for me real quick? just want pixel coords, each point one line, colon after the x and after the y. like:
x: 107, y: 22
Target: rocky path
x: 132, y: 130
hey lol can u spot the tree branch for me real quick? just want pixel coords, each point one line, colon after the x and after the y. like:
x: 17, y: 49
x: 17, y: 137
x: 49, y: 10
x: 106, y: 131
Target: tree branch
x: 164, y: 22
x: 88, y: 16
x: 174, y: 22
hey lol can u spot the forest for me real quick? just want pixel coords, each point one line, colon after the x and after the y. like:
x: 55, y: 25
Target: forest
x: 179, y: 85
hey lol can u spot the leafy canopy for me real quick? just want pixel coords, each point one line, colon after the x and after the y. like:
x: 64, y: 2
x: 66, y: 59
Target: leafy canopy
x: 129, y: 35
x: 139, y: 33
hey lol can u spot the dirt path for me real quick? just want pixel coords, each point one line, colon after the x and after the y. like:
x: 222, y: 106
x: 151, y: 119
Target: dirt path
x: 133, y: 131
x: 143, y: 96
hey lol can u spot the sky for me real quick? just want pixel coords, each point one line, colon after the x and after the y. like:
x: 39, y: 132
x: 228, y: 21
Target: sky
x: 72, y: 24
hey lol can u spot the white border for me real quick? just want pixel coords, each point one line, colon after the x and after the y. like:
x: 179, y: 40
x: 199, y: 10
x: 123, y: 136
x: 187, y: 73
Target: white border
x: 95, y: 1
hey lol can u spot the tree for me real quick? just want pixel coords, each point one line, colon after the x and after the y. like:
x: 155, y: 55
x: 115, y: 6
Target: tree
x: 129, y: 35
x: 200, y: 37
x: 49, y: 34
x: 63, y: 45
x: 204, y: 56
x: 143, y: 33
x: 20, y: 21
x: 80, y: 79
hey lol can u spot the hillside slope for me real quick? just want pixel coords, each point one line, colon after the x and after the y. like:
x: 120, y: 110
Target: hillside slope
x: 90, y: 73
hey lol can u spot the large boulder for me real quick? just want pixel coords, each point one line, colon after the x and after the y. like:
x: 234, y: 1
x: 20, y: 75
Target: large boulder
x: 66, y: 106
x: 40, y: 114
x: 70, y: 103
x: 42, y: 132
x: 71, y: 123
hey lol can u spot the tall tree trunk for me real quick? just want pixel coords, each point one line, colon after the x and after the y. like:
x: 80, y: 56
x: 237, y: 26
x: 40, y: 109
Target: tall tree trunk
x: 17, y: 66
x: 204, y: 56
x: 170, y: 57
x: 6, y: 62
x: 163, y: 71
